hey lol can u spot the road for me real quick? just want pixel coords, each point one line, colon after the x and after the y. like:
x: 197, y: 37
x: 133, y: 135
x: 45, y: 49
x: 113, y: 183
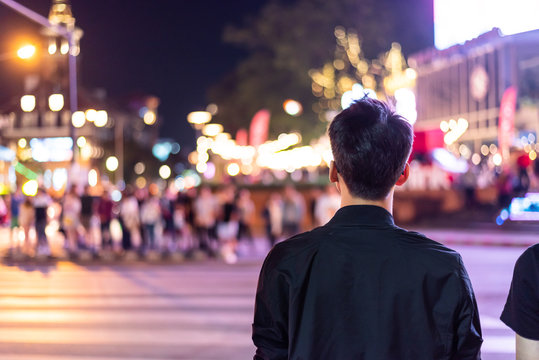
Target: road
x: 195, y: 310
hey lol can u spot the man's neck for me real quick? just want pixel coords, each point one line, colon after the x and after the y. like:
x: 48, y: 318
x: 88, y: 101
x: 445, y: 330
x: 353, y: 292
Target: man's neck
x: 386, y: 203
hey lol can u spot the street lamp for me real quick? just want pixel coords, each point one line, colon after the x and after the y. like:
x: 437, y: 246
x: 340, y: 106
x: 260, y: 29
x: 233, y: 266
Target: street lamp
x: 56, y: 102
x: 28, y: 103
x: 26, y: 52
x: 101, y: 118
x: 111, y: 163
x: 212, y: 129
x: 198, y: 118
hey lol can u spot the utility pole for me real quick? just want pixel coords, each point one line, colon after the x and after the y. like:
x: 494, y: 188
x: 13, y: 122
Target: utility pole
x: 71, y: 34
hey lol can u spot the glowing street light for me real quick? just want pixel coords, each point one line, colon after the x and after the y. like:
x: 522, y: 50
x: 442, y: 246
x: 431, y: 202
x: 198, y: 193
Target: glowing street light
x: 111, y: 163
x: 91, y: 115
x: 199, y: 117
x: 233, y: 169
x: 26, y: 52
x: 56, y: 102
x: 212, y: 129
x: 165, y: 172
x: 78, y: 119
x: 81, y: 141
x: 101, y: 118
x: 149, y: 117
x: 28, y: 103
x: 30, y: 187
x: 292, y: 107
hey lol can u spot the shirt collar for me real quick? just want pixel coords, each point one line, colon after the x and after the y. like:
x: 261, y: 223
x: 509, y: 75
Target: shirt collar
x: 362, y: 215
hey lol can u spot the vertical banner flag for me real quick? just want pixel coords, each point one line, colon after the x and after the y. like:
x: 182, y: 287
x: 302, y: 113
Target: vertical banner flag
x: 506, y: 122
x: 258, y: 131
x: 241, y: 137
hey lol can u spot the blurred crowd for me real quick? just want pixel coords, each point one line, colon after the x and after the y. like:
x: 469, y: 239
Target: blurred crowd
x: 199, y: 220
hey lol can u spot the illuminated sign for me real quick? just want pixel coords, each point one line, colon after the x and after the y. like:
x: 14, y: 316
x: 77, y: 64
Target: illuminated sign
x: 52, y: 149
x: 456, y: 21
x: 524, y: 209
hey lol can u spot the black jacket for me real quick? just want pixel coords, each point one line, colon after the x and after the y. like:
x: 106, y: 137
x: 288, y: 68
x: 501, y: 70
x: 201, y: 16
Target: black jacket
x: 362, y: 288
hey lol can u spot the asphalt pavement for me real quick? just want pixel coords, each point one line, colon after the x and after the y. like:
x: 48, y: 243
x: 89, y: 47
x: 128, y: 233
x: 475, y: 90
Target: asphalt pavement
x: 198, y: 309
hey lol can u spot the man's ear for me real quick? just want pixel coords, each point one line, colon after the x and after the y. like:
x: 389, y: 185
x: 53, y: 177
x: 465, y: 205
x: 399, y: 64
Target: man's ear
x: 404, y: 176
x: 333, y: 174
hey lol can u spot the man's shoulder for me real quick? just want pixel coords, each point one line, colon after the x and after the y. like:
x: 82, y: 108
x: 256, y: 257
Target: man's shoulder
x: 529, y: 259
x: 303, y: 244
x: 425, y: 248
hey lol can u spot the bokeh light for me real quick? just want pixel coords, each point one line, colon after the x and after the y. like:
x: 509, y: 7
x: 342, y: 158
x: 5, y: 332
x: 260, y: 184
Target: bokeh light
x: 30, y: 187
x: 28, y: 103
x: 149, y: 117
x: 112, y: 163
x: 26, y: 52
x: 233, y: 169
x: 139, y: 168
x: 165, y: 172
x: 101, y: 118
x: 91, y: 115
x: 56, y: 102
x: 92, y: 177
x: 78, y: 119
x: 292, y: 107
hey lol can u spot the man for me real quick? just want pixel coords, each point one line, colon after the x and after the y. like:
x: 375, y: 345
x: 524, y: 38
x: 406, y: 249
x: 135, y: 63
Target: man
x: 360, y: 287
x: 521, y: 311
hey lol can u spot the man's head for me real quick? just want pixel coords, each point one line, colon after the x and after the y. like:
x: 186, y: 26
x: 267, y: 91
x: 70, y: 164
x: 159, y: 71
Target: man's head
x: 370, y: 144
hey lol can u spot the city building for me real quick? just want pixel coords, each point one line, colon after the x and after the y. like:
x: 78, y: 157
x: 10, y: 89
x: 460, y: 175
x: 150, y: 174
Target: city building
x: 480, y: 94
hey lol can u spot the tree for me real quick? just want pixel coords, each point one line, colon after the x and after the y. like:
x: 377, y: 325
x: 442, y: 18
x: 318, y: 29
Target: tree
x: 284, y: 42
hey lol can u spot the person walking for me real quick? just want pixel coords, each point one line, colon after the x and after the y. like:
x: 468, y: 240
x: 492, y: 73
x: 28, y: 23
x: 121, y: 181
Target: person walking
x: 293, y: 211
x: 71, y: 208
x: 129, y: 212
x: 273, y: 216
x: 27, y: 217
x: 360, y: 287
x: 150, y: 215
x: 104, y: 211
x: 205, y: 209
x: 15, y: 202
x: 42, y: 201
x: 246, y: 209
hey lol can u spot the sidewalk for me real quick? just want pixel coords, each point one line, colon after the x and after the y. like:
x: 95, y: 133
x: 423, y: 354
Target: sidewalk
x: 480, y: 237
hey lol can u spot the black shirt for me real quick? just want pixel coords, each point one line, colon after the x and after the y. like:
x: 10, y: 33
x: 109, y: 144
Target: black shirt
x: 521, y: 311
x: 362, y: 288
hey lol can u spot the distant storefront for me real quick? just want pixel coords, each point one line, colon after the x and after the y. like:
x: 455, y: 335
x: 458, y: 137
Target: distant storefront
x: 481, y: 95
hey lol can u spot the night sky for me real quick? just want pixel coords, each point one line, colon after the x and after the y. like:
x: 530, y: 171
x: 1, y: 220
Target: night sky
x: 169, y: 48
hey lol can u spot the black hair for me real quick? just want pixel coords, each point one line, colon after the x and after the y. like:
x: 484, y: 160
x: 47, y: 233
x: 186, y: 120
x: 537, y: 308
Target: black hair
x: 371, y: 145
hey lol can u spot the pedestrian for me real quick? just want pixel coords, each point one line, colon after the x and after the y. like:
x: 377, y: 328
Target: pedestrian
x: 273, y: 216
x: 26, y: 221
x: 521, y: 311
x: 246, y: 209
x: 86, y: 214
x: 42, y: 201
x: 293, y: 211
x: 205, y: 208
x: 104, y: 211
x: 360, y: 287
x: 129, y: 212
x: 71, y: 208
x: 150, y: 215
x: 14, y: 205
x: 327, y: 205
x: 227, y: 226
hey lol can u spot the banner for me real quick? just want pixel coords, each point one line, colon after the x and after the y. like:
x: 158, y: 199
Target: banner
x: 241, y: 137
x: 258, y: 131
x: 506, y: 122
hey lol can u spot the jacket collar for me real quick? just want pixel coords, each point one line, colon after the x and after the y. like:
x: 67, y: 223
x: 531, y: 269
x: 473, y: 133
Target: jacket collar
x: 362, y: 215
